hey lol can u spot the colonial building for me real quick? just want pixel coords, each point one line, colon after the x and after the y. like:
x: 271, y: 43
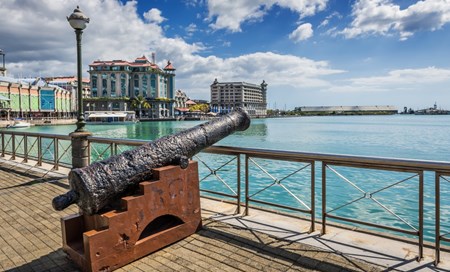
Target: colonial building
x: 70, y: 83
x: 115, y: 83
x: 33, y: 98
x: 225, y: 96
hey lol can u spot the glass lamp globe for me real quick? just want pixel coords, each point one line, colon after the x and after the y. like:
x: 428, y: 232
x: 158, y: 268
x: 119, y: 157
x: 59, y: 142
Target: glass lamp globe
x: 77, y: 19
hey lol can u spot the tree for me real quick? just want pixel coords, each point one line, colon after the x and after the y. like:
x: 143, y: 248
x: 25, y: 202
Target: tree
x: 140, y: 102
x: 201, y: 107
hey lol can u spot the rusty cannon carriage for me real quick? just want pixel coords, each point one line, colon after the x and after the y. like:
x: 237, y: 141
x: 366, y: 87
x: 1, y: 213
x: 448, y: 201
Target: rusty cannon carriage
x: 139, y: 201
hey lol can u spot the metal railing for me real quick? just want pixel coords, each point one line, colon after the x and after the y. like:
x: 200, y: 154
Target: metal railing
x: 440, y: 176
x: 270, y: 173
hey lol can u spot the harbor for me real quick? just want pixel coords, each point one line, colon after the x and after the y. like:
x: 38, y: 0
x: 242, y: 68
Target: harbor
x: 396, y: 142
x: 136, y: 139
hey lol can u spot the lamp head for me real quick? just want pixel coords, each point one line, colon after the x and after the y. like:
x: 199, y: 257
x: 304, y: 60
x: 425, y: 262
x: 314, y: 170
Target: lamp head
x: 77, y: 19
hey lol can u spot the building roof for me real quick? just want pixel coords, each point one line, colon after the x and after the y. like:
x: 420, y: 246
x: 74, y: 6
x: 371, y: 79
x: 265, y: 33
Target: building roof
x: 169, y: 66
x: 66, y: 79
x: 190, y: 102
x: 138, y: 62
x: 236, y: 83
x: 143, y: 58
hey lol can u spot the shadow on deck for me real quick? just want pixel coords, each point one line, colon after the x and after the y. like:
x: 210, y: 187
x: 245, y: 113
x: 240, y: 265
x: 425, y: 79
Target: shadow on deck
x: 30, y: 237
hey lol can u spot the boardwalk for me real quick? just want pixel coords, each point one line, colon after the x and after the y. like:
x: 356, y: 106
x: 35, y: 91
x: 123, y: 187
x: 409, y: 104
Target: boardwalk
x: 30, y: 238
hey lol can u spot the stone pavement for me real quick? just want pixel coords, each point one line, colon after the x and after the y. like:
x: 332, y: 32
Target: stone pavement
x: 30, y: 237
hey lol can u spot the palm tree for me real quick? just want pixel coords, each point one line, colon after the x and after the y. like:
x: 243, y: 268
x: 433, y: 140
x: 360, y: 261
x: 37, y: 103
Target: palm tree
x: 140, y: 102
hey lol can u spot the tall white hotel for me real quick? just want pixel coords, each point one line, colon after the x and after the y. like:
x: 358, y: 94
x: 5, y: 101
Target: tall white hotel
x: 225, y: 96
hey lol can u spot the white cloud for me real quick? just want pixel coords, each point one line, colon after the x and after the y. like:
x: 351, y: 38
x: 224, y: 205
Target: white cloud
x: 327, y: 19
x: 191, y: 29
x: 382, y: 17
x: 154, y: 16
x: 303, y: 32
x: 231, y: 14
x: 275, y: 69
x: 404, y: 79
x: 116, y: 31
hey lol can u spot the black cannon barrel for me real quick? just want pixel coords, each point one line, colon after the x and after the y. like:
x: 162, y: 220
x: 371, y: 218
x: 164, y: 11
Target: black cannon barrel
x: 99, y: 184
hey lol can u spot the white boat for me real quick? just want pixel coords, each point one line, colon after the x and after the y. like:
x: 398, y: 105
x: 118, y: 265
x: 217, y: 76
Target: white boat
x: 111, y: 117
x: 20, y: 124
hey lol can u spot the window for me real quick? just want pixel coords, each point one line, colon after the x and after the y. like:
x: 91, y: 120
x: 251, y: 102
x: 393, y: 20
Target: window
x: 94, y: 79
x: 104, y: 84
x: 123, y: 84
x: 113, y: 85
x: 153, y: 86
x: 144, y: 85
x: 136, y: 85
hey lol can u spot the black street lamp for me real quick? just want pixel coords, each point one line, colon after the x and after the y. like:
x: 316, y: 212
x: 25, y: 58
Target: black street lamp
x: 3, y: 69
x: 78, y: 22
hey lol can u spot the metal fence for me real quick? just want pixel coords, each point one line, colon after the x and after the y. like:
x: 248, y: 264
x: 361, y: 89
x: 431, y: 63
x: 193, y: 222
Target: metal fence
x: 271, y: 175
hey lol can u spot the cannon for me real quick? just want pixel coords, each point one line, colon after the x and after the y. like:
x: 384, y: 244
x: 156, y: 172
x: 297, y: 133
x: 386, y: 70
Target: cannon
x: 98, y: 185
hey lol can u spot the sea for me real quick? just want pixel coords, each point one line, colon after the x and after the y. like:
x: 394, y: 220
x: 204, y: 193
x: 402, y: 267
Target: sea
x: 393, y: 196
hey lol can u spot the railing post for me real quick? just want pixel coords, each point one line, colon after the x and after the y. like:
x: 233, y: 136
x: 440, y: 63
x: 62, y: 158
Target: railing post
x: 13, y: 143
x: 437, y: 199
x: 238, y: 183
x: 324, y: 198
x: 313, y: 198
x: 39, y: 142
x: 80, y: 149
x: 3, y: 144
x: 55, y: 153
x: 246, y: 185
x: 89, y: 152
x: 421, y: 234
x: 25, y: 148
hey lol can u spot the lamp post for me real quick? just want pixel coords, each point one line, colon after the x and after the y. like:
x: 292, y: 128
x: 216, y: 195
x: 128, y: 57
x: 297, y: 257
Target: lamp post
x: 80, y: 143
x: 78, y: 21
x: 3, y: 69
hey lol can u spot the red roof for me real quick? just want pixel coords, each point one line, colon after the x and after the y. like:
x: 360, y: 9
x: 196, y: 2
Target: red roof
x: 182, y: 109
x: 169, y: 66
x: 138, y: 62
x: 141, y: 58
x: 190, y: 102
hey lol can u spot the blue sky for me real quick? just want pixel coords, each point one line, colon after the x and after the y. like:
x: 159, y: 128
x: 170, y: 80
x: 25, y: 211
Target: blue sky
x: 310, y: 52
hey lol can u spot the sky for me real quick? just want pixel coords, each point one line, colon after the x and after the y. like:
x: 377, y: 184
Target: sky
x: 309, y: 52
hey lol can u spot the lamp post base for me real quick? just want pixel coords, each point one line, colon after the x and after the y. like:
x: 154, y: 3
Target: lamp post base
x: 80, y: 148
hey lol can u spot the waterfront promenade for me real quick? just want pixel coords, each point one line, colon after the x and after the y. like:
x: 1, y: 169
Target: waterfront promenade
x: 31, y: 237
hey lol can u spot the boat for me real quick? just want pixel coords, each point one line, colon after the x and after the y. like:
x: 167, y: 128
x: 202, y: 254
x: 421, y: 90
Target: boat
x: 19, y: 124
x: 112, y: 117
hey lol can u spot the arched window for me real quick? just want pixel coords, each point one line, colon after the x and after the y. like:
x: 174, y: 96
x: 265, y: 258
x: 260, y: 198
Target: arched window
x: 144, y: 85
x: 113, y: 85
x: 153, y: 86
x: 123, y: 84
x: 104, y: 84
x: 136, y: 85
x: 94, y: 79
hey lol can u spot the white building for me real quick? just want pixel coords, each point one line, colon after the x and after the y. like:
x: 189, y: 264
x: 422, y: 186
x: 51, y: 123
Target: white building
x: 226, y: 96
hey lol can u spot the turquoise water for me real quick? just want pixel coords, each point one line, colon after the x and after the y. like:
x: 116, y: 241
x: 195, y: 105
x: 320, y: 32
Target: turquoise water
x: 395, y: 136
x: 398, y: 136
